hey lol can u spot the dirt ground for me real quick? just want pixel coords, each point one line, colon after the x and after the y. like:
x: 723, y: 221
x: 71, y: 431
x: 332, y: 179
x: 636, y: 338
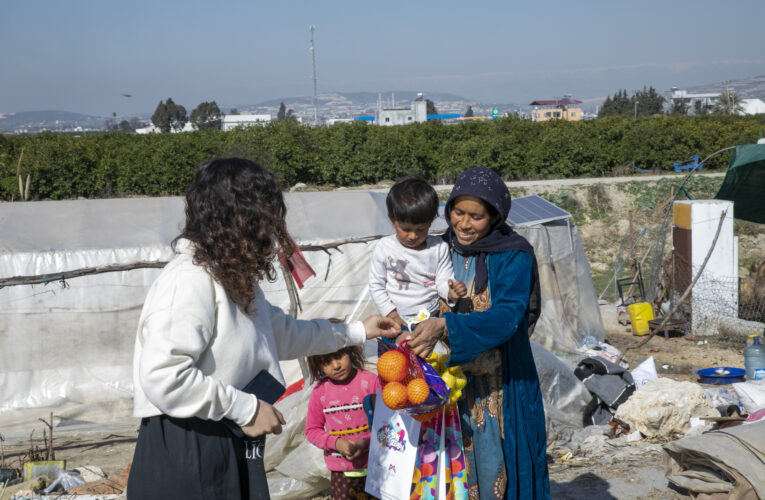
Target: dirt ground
x: 638, y: 474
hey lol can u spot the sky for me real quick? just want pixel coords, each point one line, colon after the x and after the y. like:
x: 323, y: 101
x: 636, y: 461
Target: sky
x: 83, y: 55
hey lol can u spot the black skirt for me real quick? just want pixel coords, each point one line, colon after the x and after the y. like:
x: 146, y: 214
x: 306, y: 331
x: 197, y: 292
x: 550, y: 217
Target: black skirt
x: 191, y: 458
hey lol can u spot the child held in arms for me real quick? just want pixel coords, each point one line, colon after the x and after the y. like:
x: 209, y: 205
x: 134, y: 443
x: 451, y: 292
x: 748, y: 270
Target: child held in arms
x: 410, y: 270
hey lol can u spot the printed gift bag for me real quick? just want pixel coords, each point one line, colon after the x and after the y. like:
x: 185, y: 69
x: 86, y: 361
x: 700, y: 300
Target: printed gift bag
x: 392, y: 453
x: 440, y: 467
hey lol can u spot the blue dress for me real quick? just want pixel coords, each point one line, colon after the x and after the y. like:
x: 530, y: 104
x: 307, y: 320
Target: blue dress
x: 510, y: 435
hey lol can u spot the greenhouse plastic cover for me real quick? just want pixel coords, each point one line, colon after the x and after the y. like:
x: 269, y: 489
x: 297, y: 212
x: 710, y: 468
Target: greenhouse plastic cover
x: 66, y: 347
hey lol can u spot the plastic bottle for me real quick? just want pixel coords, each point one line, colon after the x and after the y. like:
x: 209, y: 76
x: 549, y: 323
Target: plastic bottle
x: 754, y: 361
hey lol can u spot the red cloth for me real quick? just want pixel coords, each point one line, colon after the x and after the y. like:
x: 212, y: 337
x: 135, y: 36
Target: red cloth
x: 298, y: 266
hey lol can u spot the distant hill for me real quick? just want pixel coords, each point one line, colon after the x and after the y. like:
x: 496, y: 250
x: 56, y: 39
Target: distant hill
x: 35, y: 121
x: 361, y: 98
x: 747, y: 88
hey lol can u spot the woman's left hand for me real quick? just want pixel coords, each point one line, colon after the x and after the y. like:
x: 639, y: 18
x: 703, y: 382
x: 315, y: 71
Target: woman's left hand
x: 380, y: 326
x: 425, y: 336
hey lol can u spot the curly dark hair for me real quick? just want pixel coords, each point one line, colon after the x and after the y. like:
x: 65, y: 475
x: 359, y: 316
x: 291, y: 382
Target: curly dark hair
x: 315, y: 362
x: 235, y: 217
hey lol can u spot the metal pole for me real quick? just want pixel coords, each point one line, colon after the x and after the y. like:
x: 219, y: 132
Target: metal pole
x: 315, y: 97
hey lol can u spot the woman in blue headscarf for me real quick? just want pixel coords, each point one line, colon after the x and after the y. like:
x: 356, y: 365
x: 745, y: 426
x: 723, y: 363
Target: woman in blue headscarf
x: 501, y: 411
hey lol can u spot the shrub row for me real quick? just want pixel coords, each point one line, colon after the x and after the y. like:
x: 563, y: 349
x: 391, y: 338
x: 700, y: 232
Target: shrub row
x: 114, y: 164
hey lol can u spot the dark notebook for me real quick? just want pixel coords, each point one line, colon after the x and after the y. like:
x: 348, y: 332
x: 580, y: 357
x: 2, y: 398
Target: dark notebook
x: 266, y: 388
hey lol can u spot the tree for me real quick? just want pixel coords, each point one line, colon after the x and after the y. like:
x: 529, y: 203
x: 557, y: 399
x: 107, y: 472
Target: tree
x: 729, y: 103
x: 135, y: 123
x: 469, y: 112
x: 124, y: 126
x: 431, y: 108
x: 207, y: 116
x: 701, y: 108
x: 233, y: 111
x: 647, y: 102
x: 169, y: 116
x: 284, y: 113
x: 161, y: 117
x: 617, y: 105
x: 679, y: 106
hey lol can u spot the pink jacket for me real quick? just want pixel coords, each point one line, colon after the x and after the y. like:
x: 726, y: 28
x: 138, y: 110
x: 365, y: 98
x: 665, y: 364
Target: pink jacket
x: 335, y: 411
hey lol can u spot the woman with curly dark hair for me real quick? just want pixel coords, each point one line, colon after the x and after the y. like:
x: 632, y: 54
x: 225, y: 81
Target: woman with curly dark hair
x: 206, y: 331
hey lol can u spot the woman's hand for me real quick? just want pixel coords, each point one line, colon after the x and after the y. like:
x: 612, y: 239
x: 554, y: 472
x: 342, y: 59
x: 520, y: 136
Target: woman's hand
x: 380, y: 326
x: 267, y: 420
x: 425, y: 336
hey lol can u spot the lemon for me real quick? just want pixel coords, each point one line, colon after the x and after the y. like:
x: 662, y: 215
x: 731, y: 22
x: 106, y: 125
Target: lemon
x: 449, y: 379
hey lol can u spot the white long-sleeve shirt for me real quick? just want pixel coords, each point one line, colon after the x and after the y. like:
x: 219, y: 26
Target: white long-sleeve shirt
x: 409, y: 280
x: 195, y: 349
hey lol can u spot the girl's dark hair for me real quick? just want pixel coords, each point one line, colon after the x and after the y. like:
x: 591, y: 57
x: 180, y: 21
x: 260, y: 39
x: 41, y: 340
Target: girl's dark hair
x: 235, y: 217
x: 413, y: 200
x: 355, y: 352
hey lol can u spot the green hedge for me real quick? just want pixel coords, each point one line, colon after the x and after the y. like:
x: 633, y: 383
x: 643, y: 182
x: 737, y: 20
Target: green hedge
x: 114, y: 164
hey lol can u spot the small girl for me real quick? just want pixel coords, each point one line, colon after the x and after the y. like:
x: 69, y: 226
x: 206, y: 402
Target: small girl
x: 336, y: 421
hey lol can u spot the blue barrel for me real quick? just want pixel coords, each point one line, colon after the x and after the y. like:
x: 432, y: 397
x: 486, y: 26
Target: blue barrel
x: 754, y: 360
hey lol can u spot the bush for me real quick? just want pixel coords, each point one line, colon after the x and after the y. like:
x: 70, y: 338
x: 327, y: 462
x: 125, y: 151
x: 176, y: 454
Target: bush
x: 115, y: 164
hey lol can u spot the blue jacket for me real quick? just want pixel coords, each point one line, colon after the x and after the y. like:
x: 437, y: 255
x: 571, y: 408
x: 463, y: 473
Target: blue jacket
x: 505, y: 325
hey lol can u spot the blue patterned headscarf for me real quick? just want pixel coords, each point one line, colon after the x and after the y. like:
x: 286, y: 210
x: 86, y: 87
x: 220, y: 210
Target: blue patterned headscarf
x: 486, y: 185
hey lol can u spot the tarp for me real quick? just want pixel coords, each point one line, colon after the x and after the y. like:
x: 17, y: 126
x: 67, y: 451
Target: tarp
x: 744, y: 183
x: 730, y: 461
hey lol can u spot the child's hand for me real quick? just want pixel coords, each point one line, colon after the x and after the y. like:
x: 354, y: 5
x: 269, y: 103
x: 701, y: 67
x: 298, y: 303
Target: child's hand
x: 457, y: 289
x: 352, y: 450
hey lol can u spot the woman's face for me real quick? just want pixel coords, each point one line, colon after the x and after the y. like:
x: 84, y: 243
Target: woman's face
x: 470, y: 219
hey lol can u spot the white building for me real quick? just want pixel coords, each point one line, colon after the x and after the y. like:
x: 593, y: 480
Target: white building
x: 752, y: 106
x: 151, y: 129
x: 232, y: 121
x: 416, y: 113
x: 681, y: 94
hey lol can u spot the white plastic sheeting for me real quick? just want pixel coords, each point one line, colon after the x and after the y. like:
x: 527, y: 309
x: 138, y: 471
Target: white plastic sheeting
x: 67, y: 347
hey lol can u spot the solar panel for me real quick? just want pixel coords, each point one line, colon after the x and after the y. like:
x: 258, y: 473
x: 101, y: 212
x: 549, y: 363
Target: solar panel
x: 533, y: 209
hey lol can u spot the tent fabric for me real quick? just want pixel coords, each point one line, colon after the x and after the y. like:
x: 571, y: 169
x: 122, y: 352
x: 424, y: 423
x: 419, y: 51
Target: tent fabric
x: 66, y: 347
x: 726, y: 461
x: 744, y: 183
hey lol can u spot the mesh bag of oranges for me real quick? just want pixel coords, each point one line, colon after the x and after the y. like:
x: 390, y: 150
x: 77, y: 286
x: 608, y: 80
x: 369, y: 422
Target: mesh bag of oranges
x: 409, y: 383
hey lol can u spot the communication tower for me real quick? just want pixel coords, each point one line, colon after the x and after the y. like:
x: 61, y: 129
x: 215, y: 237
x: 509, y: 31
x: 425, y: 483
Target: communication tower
x: 315, y: 97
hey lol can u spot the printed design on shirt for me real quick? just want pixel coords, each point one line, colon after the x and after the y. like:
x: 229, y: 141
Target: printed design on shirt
x: 393, y: 436
x: 345, y: 432
x: 331, y: 410
x: 430, y: 280
x: 398, y: 267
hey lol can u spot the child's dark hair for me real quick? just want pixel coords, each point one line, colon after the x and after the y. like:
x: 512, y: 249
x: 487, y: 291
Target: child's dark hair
x: 413, y: 200
x: 355, y: 352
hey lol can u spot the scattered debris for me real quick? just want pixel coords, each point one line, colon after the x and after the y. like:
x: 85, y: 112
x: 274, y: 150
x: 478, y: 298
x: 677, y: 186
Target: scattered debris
x: 663, y: 408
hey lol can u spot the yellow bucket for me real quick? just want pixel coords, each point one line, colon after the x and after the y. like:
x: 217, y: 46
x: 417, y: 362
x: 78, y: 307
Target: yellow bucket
x: 640, y: 314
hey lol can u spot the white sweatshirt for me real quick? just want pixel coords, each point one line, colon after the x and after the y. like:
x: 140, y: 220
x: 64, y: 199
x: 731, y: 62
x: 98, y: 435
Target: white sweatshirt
x: 409, y: 280
x: 195, y: 348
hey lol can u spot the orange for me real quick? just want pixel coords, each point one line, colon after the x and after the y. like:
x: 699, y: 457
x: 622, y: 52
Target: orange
x: 394, y: 395
x: 417, y: 391
x: 425, y: 416
x: 392, y: 366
